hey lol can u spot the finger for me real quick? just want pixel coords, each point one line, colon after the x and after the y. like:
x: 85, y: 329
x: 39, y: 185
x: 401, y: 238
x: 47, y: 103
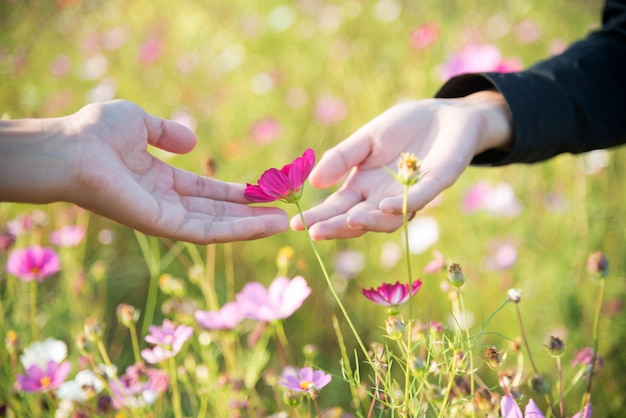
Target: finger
x: 428, y: 188
x: 227, y: 210
x: 168, y: 135
x: 339, y: 160
x: 207, y: 230
x: 190, y: 184
x: 337, y: 203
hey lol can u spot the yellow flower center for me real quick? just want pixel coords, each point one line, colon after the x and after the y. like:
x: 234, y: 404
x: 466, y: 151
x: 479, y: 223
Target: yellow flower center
x: 45, y: 381
x: 304, y: 385
x: 35, y: 270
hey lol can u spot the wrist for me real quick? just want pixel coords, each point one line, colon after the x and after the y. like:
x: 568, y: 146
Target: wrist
x: 498, y: 121
x: 35, y: 156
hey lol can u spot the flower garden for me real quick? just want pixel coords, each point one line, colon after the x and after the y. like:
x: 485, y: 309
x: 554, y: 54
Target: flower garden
x: 503, y: 297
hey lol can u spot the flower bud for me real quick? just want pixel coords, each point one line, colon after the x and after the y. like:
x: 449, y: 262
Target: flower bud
x: 408, y: 169
x: 93, y: 330
x: 83, y: 344
x: 492, y: 358
x: 556, y: 346
x: 395, y: 328
x: 292, y: 398
x: 285, y: 258
x: 127, y: 314
x: 539, y: 384
x: 455, y: 275
x: 515, y: 295
x: 171, y: 285
x: 598, y: 264
x: 12, y: 342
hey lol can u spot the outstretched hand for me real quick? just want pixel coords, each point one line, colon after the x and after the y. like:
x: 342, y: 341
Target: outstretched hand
x: 445, y: 134
x: 117, y: 177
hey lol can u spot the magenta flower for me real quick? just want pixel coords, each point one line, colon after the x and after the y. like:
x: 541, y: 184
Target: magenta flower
x: 38, y: 380
x: 304, y: 380
x: 168, y: 339
x: 226, y: 318
x: 330, y: 110
x: 284, y: 184
x: 33, y: 263
x: 67, y: 236
x: 392, y: 294
x: 279, y: 301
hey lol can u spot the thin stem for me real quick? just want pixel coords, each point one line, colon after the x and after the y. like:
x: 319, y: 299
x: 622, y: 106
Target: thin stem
x: 521, y: 327
x: 33, y: 310
x: 407, y: 372
x: 334, y: 292
x: 469, y: 345
x: 135, y: 342
x: 596, y: 326
x: 282, y: 342
x: 560, y: 371
x: 178, y: 413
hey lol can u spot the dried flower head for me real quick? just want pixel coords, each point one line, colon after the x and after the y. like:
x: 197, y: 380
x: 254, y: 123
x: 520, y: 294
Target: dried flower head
x: 493, y: 358
x: 598, y: 264
x: 408, y: 169
x: 455, y: 275
x: 556, y: 346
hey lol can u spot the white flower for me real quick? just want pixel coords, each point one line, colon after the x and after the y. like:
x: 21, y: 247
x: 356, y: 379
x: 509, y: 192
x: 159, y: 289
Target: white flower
x: 41, y: 352
x: 515, y: 295
x: 423, y: 233
x: 84, y: 386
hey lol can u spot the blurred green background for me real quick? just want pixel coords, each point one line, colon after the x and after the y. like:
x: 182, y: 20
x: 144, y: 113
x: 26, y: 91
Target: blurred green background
x: 259, y: 81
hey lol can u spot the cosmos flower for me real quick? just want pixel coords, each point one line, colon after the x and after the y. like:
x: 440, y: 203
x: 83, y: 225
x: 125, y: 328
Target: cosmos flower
x: 390, y: 295
x: 227, y: 317
x: 67, y: 236
x: 284, y: 184
x: 43, y: 380
x: 304, y: 380
x: 168, y: 339
x: 138, y: 387
x: 279, y: 301
x: 33, y: 263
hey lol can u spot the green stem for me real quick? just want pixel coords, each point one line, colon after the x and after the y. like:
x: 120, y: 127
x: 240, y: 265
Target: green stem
x: 469, y: 345
x: 407, y: 372
x: 135, y: 341
x: 596, y: 326
x: 334, y: 292
x: 178, y: 413
x: 33, y: 310
x: 560, y: 372
x: 150, y: 251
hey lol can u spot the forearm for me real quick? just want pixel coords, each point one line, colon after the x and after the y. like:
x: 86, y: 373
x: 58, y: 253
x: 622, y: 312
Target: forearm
x: 35, y: 156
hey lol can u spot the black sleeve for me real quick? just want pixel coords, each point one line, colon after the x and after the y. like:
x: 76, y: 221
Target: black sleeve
x: 573, y: 102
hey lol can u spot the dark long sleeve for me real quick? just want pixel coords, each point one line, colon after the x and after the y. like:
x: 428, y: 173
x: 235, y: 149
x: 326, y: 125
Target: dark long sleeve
x: 573, y: 102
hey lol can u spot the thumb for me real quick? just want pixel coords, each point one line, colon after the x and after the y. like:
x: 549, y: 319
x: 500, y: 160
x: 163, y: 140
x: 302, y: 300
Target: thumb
x: 169, y: 135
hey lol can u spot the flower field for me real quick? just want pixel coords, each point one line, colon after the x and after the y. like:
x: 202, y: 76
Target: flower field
x: 505, y: 294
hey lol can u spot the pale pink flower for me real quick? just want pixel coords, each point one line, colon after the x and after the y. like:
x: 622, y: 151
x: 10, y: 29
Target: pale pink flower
x: 138, y: 387
x: 284, y: 184
x: 279, y: 301
x: 67, y: 236
x: 330, y: 110
x: 476, y: 59
x: 61, y: 66
x: 168, y: 339
x: 33, y: 263
x: 423, y: 36
x: 436, y: 264
x: 227, y: 317
x: 265, y: 131
x: 151, y: 51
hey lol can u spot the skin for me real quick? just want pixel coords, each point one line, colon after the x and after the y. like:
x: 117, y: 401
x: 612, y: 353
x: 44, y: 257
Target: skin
x: 445, y: 134
x: 97, y: 159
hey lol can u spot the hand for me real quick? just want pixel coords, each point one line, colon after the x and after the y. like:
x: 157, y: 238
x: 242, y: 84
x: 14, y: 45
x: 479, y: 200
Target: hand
x: 116, y: 177
x: 445, y: 134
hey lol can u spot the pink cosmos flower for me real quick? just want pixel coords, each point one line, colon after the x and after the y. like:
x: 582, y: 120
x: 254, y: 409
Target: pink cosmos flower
x: 477, y: 58
x: 138, y: 387
x: 424, y: 36
x: 392, y: 294
x: 33, y: 263
x: 279, y: 301
x: 168, y: 340
x: 304, y: 380
x: 330, y: 110
x: 284, y: 184
x: 67, y: 236
x: 436, y: 264
x: 265, y: 131
x: 38, y: 380
x: 151, y: 51
x: 226, y: 318
x: 510, y: 409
